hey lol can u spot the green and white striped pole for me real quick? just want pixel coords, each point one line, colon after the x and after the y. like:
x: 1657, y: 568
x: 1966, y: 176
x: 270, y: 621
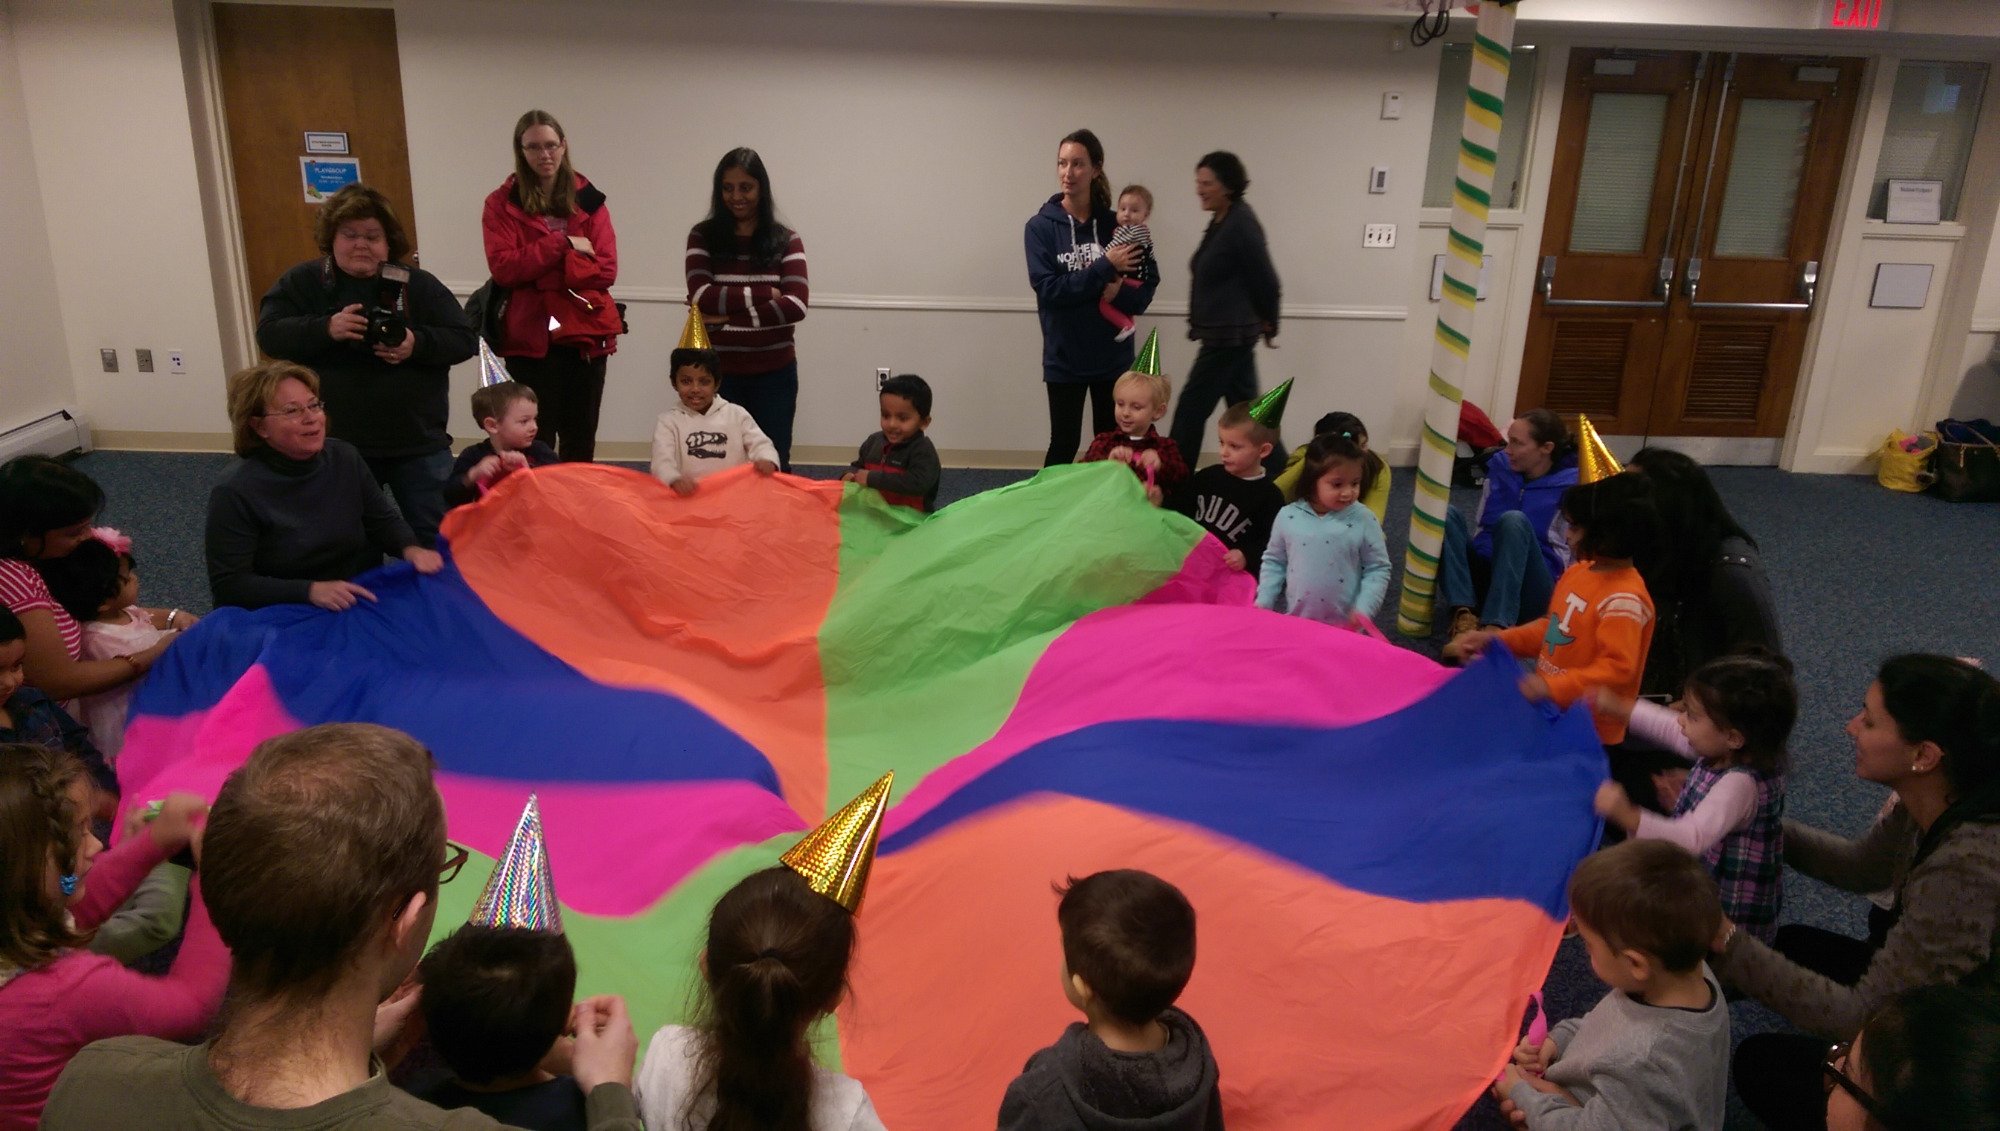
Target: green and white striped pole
x: 1471, y: 199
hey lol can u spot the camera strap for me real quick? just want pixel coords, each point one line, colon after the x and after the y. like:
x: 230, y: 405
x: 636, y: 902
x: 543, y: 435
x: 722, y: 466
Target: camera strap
x: 382, y: 286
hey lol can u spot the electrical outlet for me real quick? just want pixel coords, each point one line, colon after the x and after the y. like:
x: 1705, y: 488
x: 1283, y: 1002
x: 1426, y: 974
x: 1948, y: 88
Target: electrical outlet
x: 176, y: 362
x: 1379, y: 235
x: 110, y: 360
x: 142, y: 360
x: 881, y: 377
x: 1392, y: 105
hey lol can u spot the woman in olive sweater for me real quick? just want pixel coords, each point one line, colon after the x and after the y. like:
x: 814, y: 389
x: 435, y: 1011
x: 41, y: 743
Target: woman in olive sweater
x: 1929, y: 729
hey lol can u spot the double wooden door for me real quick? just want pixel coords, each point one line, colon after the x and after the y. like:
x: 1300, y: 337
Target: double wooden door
x: 1681, y: 255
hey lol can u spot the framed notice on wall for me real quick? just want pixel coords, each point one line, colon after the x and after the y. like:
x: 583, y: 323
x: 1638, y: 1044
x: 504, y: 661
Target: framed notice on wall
x: 1915, y: 202
x: 324, y: 176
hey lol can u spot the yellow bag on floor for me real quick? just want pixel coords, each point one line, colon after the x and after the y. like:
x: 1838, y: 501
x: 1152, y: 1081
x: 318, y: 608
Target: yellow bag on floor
x: 1903, y: 462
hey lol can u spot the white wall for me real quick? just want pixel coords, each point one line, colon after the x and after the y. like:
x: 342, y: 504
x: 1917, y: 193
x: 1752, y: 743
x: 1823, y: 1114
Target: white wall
x: 114, y: 154
x: 908, y: 146
x: 34, y: 368
x: 1976, y: 390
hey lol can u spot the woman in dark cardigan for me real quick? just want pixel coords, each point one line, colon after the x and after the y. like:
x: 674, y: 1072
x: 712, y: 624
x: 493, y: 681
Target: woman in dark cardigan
x: 1232, y: 302
x: 302, y: 513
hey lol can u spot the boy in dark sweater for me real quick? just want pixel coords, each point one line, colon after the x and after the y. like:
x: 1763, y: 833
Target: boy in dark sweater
x: 1236, y: 500
x: 1135, y: 1062
x: 495, y: 1002
x: 900, y: 461
x: 507, y: 412
x: 1139, y: 400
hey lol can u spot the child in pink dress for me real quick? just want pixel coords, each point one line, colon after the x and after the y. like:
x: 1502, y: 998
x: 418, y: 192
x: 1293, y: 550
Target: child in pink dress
x: 98, y: 584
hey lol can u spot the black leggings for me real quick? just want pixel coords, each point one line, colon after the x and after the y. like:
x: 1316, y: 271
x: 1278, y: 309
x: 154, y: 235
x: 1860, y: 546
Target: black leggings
x: 569, y: 388
x: 1781, y: 1075
x: 1066, y: 416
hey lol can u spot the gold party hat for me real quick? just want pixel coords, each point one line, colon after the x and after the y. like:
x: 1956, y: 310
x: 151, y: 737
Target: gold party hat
x: 694, y: 336
x: 834, y: 858
x: 521, y: 892
x: 492, y: 371
x: 1148, y: 361
x: 1269, y: 409
x: 1594, y: 461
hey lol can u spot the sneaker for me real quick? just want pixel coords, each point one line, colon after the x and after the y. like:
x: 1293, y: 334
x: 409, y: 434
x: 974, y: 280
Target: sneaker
x: 1463, y: 620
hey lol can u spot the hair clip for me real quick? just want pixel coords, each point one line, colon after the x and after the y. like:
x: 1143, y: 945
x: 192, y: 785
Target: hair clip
x: 68, y: 883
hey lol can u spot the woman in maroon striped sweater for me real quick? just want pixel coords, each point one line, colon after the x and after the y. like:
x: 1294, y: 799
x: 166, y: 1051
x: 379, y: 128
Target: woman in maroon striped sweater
x: 746, y: 273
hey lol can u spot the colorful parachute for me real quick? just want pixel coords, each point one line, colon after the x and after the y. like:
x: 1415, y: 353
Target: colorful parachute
x: 1063, y: 678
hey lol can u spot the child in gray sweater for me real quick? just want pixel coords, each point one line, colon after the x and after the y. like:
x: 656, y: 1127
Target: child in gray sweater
x: 1655, y: 1051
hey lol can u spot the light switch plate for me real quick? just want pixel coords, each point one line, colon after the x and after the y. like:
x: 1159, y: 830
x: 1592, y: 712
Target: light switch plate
x: 1392, y: 105
x: 110, y: 360
x: 1379, y: 235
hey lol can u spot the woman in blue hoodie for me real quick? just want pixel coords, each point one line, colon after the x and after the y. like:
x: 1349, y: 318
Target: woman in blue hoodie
x: 1509, y: 555
x: 1071, y: 269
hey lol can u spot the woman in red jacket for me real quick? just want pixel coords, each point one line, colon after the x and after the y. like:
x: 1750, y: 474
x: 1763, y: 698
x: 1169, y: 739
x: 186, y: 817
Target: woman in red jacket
x: 549, y: 242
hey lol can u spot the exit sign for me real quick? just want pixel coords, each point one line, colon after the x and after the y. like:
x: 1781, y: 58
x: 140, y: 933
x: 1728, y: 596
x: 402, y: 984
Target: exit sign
x: 1860, y: 15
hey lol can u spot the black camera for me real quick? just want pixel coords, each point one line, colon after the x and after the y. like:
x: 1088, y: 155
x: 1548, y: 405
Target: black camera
x: 387, y: 323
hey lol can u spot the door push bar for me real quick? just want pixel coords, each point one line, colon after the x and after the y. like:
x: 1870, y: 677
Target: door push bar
x: 1663, y: 286
x: 1808, y: 288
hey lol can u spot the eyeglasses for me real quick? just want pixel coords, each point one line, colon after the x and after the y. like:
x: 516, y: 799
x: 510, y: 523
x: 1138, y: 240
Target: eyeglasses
x: 455, y: 856
x: 542, y: 147
x: 315, y: 408
x: 1835, y: 1068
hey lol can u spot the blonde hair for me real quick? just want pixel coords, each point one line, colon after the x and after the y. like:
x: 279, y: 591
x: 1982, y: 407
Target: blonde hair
x: 1161, y: 388
x: 250, y: 390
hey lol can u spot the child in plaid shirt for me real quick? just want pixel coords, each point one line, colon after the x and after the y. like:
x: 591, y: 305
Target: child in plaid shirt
x: 1735, y: 717
x: 1135, y: 207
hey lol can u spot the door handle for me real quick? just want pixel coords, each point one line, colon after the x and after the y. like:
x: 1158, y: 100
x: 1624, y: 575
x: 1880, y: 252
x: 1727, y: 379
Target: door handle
x: 1808, y: 290
x: 1545, y: 282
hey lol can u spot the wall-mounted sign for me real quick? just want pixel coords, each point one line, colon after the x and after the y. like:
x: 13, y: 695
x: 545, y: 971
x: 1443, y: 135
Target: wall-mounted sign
x: 1915, y: 202
x: 328, y: 141
x: 1858, y: 15
x: 324, y: 176
x: 1901, y: 286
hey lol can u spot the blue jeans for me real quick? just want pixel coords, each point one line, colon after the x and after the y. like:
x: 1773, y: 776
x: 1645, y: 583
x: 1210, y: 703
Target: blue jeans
x: 1517, y: 578
x: 771, y: 399
x: 417, y: 482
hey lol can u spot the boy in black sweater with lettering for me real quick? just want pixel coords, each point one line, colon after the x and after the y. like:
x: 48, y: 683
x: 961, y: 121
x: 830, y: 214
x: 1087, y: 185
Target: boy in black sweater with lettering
x: 900, y: 461
x: 1235, y: 500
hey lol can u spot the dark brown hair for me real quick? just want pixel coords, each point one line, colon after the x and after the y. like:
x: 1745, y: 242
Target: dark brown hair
x: 38, y: 822
x: 1140, y: 191
x: 1751, y: 693
x: 496, y: 998
x: 359, y: 202
x: 1949, y: 702
x: 1130, y: 936
x: 1649, y: 896
x: 250, y: 390
x: 1545, y: 427
x: 1616, y: 515
x: 1100, y: 185
x: 776, y: 960
x: 39, y: 494
x: 313, y: 846
x: 1324, y: 452
x: 560, y: 200
x: 493, y: 401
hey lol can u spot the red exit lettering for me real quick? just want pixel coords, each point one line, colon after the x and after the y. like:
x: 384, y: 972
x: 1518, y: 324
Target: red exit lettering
x: 1856, y: 14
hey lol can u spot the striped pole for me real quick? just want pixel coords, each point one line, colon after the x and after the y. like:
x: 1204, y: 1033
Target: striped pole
x: 1478, y: 147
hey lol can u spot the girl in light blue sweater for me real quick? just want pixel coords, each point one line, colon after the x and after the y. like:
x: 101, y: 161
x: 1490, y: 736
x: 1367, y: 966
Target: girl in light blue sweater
x: 1326, y: 559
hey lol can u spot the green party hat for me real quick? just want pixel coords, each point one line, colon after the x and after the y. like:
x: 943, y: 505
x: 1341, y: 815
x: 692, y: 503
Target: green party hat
x: 1269, y: 409
x: 1148, y: 361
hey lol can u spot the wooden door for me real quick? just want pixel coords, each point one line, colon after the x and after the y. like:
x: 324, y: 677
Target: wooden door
x: 1689, y: 210
x: 289, y: 69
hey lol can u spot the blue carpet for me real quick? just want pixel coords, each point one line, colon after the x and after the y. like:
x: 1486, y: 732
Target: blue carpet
x: 1859, y: 574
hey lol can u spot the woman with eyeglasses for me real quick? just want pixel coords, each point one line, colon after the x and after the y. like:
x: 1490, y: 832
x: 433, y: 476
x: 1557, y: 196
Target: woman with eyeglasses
x: 46, y: 510
x: 1929, y: 729
x: 1929, y: 1061
x: 550, y: 246
x: 302, y: 514
x: 383, y: 334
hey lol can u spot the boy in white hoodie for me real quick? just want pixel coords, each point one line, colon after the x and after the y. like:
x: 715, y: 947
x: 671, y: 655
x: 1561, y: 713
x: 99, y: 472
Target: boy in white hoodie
x: 705, y: 434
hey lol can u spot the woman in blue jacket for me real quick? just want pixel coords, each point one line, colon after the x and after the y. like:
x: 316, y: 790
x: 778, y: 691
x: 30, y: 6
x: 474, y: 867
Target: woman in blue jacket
x: 1501, y: 567
x: 1071, y: 269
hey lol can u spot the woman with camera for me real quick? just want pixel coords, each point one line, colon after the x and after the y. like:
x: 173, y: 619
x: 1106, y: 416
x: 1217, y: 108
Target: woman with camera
x: 383, y: 336
x: 550, y: 247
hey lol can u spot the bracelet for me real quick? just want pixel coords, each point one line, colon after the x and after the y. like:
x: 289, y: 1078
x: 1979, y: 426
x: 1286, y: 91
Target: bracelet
x: 172, y: 615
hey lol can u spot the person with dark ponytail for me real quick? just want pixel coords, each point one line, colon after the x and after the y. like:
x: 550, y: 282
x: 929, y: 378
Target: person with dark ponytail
x: 1503, y: 564
x: 1929, y: 729
x: 775, y: 963
x: 1072, y: 268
